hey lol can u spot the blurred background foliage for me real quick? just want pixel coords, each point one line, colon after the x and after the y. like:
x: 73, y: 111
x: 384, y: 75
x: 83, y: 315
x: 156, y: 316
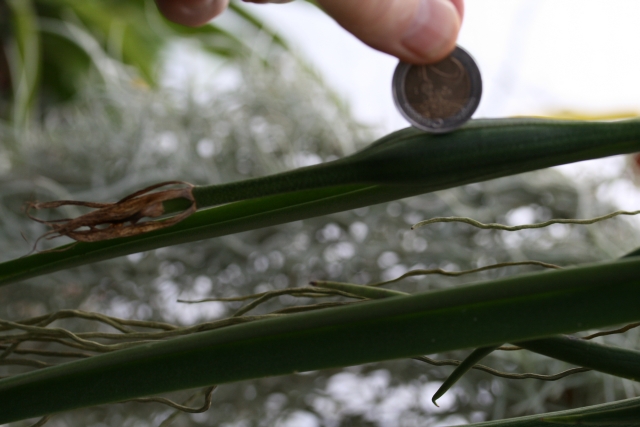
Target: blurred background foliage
x: 104, y: 126
x: 48, y: 47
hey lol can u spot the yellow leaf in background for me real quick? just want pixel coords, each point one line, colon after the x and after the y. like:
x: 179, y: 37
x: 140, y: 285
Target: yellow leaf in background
x: 580, y: 115
x: 633, y: 160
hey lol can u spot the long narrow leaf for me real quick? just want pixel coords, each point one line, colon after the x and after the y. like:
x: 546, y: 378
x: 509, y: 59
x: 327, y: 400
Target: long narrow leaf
x: 508, y: 310
x: 616, y: 361
x: 604, y: 358
x: 615, y: 417
x: 476, y: 356
x: 482, y: 150
x: 25, y: 69
x: 622, y: 413
x: 403, y: 164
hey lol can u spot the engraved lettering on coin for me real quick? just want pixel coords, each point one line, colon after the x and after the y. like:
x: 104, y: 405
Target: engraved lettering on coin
x: 438, y: 97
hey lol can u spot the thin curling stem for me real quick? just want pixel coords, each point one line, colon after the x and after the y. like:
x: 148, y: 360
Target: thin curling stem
x: 612, y: 332
x: 303, y: 292
x: 422, y: 272
x: 495, y: 226
x: 293, y: 292
x: 183, y: 408
x: 42, y: 421
x: 501, y: 374
x: 169, y: 420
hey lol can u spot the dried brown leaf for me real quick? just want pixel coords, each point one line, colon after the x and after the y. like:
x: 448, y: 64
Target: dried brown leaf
x: 119, y: 219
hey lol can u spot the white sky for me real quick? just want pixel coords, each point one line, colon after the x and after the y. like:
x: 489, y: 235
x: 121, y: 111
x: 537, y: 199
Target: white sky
x: 536, y: 57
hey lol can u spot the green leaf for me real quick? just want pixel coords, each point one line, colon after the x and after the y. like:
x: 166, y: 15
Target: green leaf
x: 621, y: 413
x: 65, y: 65
x: 138, y: 45
x: 615, y: 417
x: 25, y: 60
x: 476, y: 356
x: 403, y: 164
x: 635, y: 252
x: 616, y: 361
x: 131, y: 31
x: 604, y: 358
x: 508, y: 310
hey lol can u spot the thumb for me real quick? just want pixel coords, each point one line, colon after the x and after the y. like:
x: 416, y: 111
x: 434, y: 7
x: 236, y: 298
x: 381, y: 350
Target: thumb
x: 417, y: 31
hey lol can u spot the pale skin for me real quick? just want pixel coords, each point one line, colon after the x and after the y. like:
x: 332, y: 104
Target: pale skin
x: 416, y: 31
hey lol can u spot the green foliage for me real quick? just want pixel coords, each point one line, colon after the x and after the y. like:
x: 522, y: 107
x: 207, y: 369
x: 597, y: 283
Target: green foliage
x: 133, y: 137
x: 63, y: 39
x: 402, y: 164
x: 24, y: 57
x: 507, y: 310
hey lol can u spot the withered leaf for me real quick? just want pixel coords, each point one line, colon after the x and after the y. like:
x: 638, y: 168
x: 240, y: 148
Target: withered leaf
x: 119, y: 219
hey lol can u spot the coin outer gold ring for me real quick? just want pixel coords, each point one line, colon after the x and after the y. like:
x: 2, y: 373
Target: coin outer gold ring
x: 439, y: 125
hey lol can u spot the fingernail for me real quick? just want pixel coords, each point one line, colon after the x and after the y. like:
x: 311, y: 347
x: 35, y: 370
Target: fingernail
x: 433, y: 31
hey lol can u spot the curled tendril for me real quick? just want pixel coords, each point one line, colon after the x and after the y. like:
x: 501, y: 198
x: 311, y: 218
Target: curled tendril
x: 423, y: 272
x: 305, y: 292
x: 494, y: 226
x: 208, y: 395
x: 495, y: 372
x: 613, y: 331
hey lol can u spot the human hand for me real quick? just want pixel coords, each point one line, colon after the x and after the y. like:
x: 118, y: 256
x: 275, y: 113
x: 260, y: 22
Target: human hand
x: 417, y: 31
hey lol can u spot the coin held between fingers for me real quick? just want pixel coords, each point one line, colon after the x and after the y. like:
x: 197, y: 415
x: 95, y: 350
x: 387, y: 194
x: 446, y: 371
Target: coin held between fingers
x: 440, y: 97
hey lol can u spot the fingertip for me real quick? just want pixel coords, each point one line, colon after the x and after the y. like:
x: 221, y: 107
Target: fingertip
x: 191, y: 13
x: 459, y: 5
x: 432, y: 34
x: 416, y: 31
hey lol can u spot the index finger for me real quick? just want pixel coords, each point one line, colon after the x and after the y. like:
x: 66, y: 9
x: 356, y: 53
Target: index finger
x: 417, y: 31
